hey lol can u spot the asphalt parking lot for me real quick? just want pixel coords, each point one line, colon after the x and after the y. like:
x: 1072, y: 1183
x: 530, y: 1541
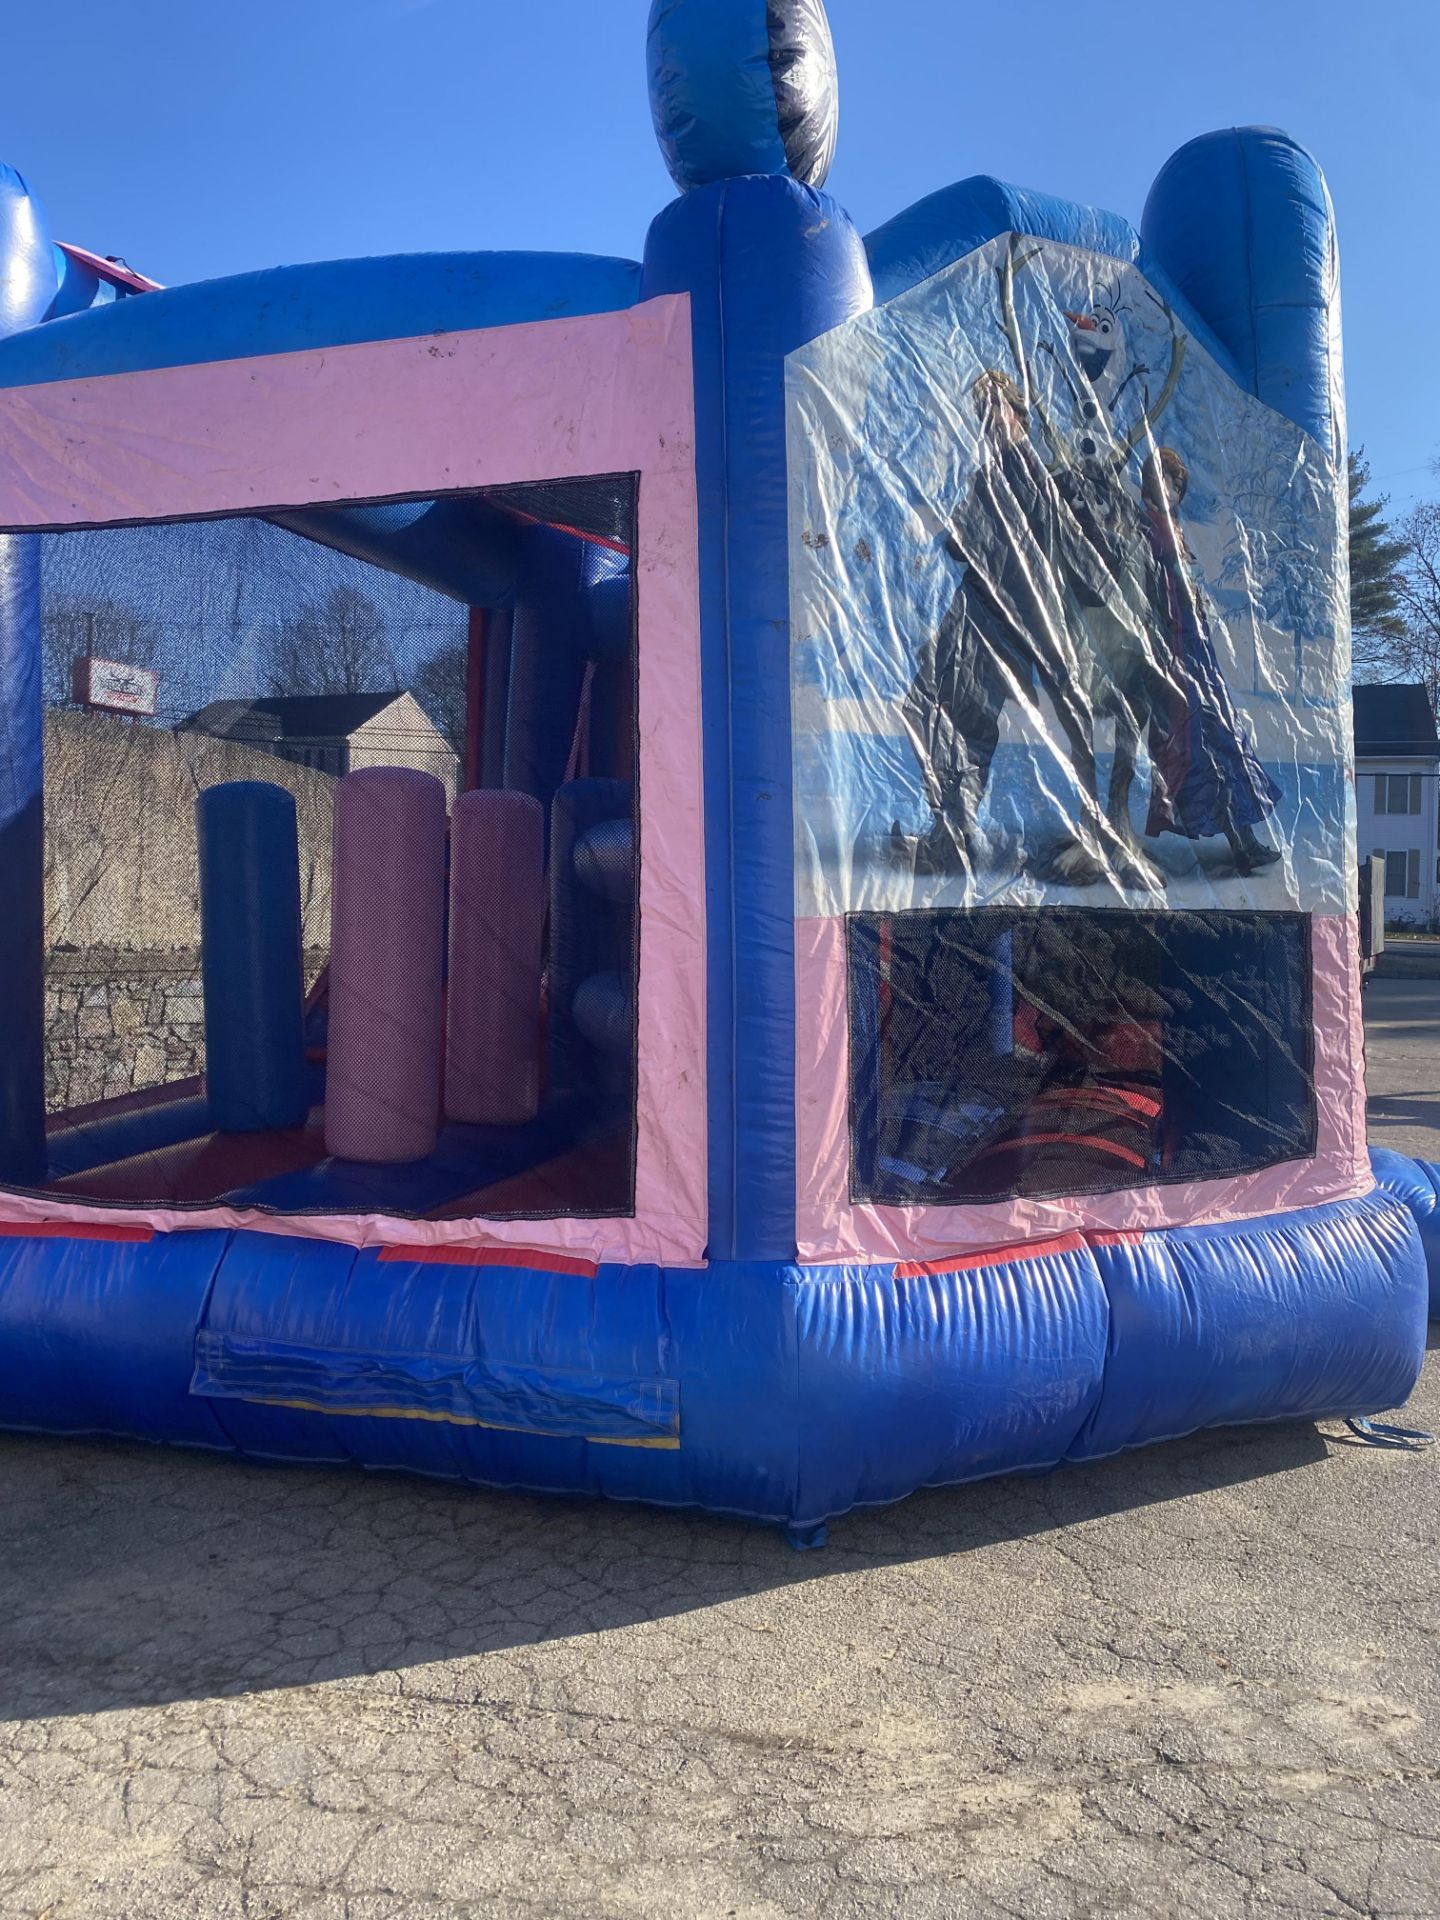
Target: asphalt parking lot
x: 1200, y: 1680
x: 1402, y: 1048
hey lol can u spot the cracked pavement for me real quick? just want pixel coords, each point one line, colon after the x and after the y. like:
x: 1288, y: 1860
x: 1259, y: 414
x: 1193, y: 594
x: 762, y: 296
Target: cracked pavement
x: 1199, y: 1680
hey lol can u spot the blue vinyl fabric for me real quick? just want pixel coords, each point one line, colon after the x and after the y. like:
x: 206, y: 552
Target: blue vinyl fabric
x: 1241, y: 221
x: 30, y: 282
x: 768, y: 264
x: 794, y: 1394
x: 331, y: 303
x: 1295, y: 1316
x: 27, y: 286
x: 98, y: 1336
x: 454, y: 1388
x: 742, y: 86
x: 78, y: 287
x: 1416, y: 1184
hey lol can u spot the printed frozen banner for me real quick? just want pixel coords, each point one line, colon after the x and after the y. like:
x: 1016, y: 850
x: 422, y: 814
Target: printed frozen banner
x: 1067, y: 608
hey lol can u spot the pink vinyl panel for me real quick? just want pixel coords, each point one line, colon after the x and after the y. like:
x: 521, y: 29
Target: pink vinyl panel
x: 497, y: 915
x: 387, y: 932
x: 605, y: 393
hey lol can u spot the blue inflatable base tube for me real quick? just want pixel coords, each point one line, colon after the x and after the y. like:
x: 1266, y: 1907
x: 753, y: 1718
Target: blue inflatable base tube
x: 1416, y: 1184
x: 780, y: 1394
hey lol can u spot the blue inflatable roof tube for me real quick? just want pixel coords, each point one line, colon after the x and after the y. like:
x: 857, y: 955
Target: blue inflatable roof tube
x: 942, y: 228
x: 945, y: 226
x: 463, y: 548
x: 768, y: 265
x: 1241, y: 220
x: 331, y: 303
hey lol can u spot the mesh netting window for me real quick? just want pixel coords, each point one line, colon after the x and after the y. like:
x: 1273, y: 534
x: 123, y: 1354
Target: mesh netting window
x: 1004, y: 1051
x: 341, y: 841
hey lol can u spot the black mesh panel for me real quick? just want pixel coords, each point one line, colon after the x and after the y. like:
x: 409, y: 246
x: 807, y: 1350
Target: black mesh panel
x: 1000, y: 1051
x: 294, y: 656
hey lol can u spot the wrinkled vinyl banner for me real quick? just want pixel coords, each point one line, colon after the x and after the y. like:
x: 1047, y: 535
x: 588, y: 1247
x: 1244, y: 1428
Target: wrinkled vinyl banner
x: 1068, y: 634
x: 1067, y: 608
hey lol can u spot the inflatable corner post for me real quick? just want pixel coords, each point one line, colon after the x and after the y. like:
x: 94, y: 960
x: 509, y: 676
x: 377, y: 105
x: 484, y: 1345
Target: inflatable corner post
x: 726, y: 880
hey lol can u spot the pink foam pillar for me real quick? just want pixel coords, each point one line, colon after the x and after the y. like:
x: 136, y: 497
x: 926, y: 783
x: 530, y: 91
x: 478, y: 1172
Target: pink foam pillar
x: 387, y: 934
x: 497, y: 912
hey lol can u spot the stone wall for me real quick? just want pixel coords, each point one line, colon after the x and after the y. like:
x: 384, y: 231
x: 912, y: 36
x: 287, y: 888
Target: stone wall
x: 116, y: 1022
x: 120, y: 1022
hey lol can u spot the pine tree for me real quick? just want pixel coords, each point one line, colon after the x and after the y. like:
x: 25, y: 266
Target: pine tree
x: 1376, y: 564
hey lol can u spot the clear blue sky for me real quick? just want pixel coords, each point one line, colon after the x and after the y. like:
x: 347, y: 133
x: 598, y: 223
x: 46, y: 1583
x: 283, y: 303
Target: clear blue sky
x: 201, y: 137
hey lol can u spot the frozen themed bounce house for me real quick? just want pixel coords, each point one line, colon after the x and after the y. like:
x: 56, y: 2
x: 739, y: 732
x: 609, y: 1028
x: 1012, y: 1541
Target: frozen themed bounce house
x: 726, y: 881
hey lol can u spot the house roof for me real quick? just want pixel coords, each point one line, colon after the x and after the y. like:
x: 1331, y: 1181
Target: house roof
x: 300, y: 716
x: 1393, y: 721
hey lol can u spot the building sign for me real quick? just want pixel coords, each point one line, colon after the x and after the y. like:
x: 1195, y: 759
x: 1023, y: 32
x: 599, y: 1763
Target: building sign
x: 114, y: 686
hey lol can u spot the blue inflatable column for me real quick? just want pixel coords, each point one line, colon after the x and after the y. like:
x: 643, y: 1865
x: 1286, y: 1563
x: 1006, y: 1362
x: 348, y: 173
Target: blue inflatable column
x: 27, y: 287
x: 744, y: 99
x: 769, y: 264
x: 250, y: 956
x: 549, y: 635
x: 22, y: 861
x: 1242, y: 222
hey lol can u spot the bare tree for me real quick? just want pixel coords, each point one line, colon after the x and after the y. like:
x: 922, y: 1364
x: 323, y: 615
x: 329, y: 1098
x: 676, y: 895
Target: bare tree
x: 440, y: 687
x: 336, y: 645
x: 1415, y: 653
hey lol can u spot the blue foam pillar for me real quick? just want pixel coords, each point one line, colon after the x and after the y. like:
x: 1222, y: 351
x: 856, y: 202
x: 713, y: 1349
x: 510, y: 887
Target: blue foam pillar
x: 250, y: 956
x: 550, y: 636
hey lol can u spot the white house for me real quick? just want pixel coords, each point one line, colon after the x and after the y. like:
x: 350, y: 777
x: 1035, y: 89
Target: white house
x: 334, y: 732
x: 1397, y: 807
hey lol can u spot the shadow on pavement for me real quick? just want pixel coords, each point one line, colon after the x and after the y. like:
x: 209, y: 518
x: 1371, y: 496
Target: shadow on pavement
x: 130, y: 1577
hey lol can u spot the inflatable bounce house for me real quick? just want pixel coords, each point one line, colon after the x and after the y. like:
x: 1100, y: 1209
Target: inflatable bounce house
x: 726, y: 881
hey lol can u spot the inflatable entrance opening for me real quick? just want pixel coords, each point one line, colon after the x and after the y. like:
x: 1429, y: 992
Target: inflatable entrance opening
x: 343, y: 919
x: 726, y: 879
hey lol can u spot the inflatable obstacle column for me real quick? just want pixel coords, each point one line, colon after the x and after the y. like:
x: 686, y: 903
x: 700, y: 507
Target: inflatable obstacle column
x: 382, y: 1088
x: 250, y: 956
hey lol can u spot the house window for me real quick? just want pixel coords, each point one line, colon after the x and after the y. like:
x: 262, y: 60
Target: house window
x: 1402, y: 875
x: 1397, y: 793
